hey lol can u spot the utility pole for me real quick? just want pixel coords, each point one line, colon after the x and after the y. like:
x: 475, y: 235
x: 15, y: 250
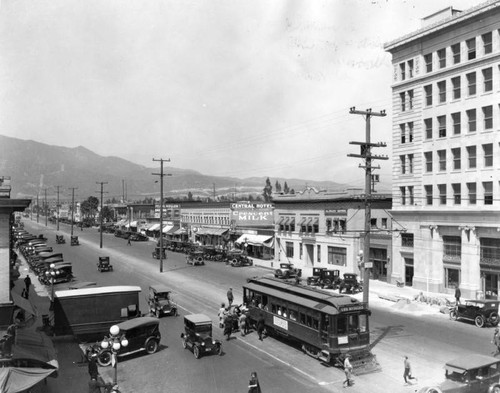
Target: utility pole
x: 214, y: 191
x: 72, y: 207
x: 123, y: 190
x: 57, y: 207
x: 46, y: 206
x: 37, y: 208
x: 368, y: 157
x: 102, y: 183
x: 161, y: 174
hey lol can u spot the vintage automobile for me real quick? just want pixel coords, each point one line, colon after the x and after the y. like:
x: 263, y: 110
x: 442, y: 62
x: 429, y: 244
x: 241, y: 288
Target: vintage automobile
x: 198, y: 335
x: 63, y: 272
x: 195, y: 258
x: 60, y: 239
x: 481, y: 312
x: 156, y: 253
x: 325, y: 278
x: 160, y: 301
x: 138, y: 237
x: 75, y: 241
x: 350, y: 283
x: 469, y: 374
x: 286, y: 270
x: 142, y: 334
x: 241, y: 260
x: 104, y: 265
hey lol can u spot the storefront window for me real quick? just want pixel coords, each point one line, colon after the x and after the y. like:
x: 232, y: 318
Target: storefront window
x: 452, y: 277
x: 289, y: 249
x: 337, y: 256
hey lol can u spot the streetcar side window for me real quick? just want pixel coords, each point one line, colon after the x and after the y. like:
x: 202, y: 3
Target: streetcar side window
x: 363, y: 323
x: 341, y: 325
x: 273, y: 308
x: 315, y: 323
x: 302, y: 318
x: 264, y: 301
x: 309, y: 321
x: 293, y: 315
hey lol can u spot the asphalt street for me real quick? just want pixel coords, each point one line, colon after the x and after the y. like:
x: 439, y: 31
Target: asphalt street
x: 427, y: 337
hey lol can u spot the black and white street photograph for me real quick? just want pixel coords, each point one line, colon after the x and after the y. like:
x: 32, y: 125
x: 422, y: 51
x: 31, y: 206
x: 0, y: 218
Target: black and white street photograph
x: 236, y: 196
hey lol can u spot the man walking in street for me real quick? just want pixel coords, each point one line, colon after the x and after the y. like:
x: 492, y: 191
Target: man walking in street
x: 243, y: 323
x: 407, y: 374
x: 27, y: 284
x: 458, y: 294
x: 348, y: 372
x: 496, y: 341
x: 128, y: 241
x: 230, y: 296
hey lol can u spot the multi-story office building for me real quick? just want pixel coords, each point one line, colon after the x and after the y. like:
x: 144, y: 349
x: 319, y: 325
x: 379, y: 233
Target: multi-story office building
x: 446, y: 152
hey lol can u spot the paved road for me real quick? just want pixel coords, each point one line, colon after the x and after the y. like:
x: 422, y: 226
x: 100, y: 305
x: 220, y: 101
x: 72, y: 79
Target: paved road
x: 429, y: 340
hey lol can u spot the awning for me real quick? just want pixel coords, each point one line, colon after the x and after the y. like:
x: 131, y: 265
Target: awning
x: 34, y: 345
x: 180, y: 231
x: 154, y: 227
x: 212, y: 231
x: 20, y: 379
x: 167, y: 228
x: 133, y: 224
x: 302, y: 221
x: 256, y: 240
x: 23, y: 303
x: 172, y: 230
x: 315, y: 221
x: 285, y: 220
x: 280, y: 221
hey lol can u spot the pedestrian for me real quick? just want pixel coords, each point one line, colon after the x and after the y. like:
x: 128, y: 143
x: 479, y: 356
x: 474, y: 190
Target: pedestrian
x: 228, y: 327
x: 348, y: 372
x: 243, y: 323
x: 458, y: 294
x: 496, y: 341
x: 95, y: 385
x: 230, y: 296
x: 261, y: 325
x: 407, y: 374
x: 93, y: 369
x: 128, y: 241
x: 253, y: 384
x: 222, y: 311
x: 27, y: 284
x: 24, y: 294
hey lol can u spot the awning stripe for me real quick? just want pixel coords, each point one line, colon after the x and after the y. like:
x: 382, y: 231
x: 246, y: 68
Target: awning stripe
x: 255, y: 240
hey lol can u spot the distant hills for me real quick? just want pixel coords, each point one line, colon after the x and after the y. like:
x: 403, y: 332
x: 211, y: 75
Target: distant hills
x: 35, y: 167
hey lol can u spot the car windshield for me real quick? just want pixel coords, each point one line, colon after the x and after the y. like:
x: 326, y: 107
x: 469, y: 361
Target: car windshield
x: 204, y: 328
x: 162, y: 295
x: 455, y: 374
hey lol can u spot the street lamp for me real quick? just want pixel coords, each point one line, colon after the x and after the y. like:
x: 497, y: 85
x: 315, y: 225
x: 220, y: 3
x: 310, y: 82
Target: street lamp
x: 114, y: 342
x: 51, y: 274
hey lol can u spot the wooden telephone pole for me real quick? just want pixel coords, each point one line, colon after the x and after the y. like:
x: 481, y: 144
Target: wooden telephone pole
x: 161, y: 174
x: 102, y: 183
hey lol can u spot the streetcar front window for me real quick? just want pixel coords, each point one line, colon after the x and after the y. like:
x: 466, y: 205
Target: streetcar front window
x: 347, y: 324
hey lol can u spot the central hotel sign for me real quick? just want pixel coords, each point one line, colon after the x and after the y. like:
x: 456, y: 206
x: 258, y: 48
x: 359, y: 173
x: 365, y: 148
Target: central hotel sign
x: 252, y: 214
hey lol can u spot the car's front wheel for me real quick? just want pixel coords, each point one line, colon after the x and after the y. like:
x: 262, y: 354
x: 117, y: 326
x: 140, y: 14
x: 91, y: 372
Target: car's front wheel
x: 453, y: 315
x: 184, y: 343
x: 479, y: 321
x: 151, y: 346
x: 104, y: 358
x: 218, y: 350
x: 196, y: 352
x: 495, y: 389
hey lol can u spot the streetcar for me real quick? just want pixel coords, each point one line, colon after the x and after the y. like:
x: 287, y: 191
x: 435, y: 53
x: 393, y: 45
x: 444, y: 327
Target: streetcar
x: 327, y: 325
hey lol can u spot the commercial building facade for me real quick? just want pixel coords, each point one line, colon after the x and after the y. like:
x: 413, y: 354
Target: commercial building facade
x: 446, y: 152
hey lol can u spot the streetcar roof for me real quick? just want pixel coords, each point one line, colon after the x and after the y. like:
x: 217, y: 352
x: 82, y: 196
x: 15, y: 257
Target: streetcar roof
x: 326, y: 302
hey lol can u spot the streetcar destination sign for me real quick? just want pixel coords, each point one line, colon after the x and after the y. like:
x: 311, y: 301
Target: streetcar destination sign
x: 352, y: 307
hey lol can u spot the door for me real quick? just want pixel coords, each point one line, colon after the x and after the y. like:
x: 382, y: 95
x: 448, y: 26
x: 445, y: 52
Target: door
x: 409, y: 272
x: 491, y: 285
x: 309, y: 255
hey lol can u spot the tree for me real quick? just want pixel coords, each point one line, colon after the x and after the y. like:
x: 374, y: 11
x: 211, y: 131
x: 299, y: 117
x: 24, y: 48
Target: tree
x: 190, y: 196
x: 89, y: 208
x: 286, y: 190
x: 267, y: 191
x: 107, y: 214
x: 277, y: 186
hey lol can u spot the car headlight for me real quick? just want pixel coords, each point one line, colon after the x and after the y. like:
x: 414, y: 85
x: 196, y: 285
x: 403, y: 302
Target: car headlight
x: 202, y: 344
x: 213, y: 342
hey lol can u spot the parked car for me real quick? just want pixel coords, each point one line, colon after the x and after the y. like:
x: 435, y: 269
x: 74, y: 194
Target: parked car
x: 286, y: 270
x: 195, y: 258
x: 160, y: 301
x: 75, y: 241
x: 469, y: 374
x: 325, y: 278
x: 197, y: 335
x: 241, y: 260
x: 350, y: 283
x: 138, y: 237
x: 142, y: 334
x: 104, y: 265
x: 482, y: 312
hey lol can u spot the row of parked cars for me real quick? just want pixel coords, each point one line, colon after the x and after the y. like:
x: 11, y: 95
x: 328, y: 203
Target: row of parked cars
x: 42, y: 259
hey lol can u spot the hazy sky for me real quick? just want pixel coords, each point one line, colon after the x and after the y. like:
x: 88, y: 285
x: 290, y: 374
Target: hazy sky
x: 226, y: 87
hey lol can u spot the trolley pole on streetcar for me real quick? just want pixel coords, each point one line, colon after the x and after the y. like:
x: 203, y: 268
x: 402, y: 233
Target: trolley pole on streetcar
x: 367, y: 156
x: 161, y: 174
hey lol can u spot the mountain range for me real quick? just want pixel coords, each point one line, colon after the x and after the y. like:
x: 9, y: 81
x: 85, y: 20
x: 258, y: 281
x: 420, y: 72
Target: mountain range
x: 36, y: 168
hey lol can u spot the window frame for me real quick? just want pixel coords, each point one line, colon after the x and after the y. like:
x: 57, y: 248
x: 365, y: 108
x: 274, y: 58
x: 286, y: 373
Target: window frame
x: 487, y: 117
x: 457, y: 158
x: 472, y: 193
x: 457, y: 125
x: 471, y: 48
x: 471, y: 157
x: 456, y: 84
x: 456, y: 54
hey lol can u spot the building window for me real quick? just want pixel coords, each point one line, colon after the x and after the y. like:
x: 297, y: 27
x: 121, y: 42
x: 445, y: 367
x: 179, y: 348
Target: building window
x: 428, y: 194
x: 471, y: 120
x: 384, y: 223
x: 402, y: 70
x: 488, y: 155
x: 487, y: 43
x: 488, y: 117
x: 455, y: 50
x: 441, y: 58
x: 442, y: 194
x: 489, y: 250
x: 428, y: 95
x: 456, y: 119
x: 442, y: 91
x: 402, y: 99
x: 471, y: 152
x: 410, y: 163
x: 471, y: 83
x: 410, y: 68
x: 428, y: 128
x: 428, y: 62
x: 457, y: 193
x: 402, y: 160
x: 487, y: 79
x: 410, y: 99
x: 471, y: 48
x: 452, y: 277
x: 442, y: 160
x: 318, y: 253
x: 472, y: 192
x: 457, y: 90
x: 373, y: 223
x: 410, y: 132
x: 452, y: 246
x: 488, y: 192
x: 407, y: 240
x: 337, y: 256
x: 403, y: 133
x: 442, y: 126
x: 428, y: 161
x: 402, y: 190
x: 289, y: 249
x: 411, y: 195
x: 456, y: 158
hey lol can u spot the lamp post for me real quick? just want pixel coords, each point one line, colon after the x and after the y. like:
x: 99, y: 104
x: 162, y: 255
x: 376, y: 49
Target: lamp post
x: 51, y: 274
x: 114, y: 342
